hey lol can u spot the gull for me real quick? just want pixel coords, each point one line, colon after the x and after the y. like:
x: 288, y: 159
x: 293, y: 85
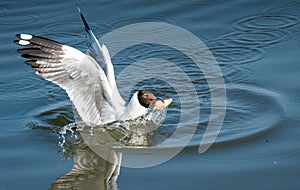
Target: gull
x: 88, y: 79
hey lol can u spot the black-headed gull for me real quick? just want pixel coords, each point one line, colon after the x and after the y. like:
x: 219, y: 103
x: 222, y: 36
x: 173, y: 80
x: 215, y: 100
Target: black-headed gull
x: 89, y: 80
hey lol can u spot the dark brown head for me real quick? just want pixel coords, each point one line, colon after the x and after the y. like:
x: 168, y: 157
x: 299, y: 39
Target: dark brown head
x: 145, y: 98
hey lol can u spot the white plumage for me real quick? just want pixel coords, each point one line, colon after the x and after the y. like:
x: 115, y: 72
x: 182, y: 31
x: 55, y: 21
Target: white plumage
x: 88, y: 80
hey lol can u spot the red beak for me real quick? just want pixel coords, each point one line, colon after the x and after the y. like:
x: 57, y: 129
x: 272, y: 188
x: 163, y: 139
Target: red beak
x: 151, y: 97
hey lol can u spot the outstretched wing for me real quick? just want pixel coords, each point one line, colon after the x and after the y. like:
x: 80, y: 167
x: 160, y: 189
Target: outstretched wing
x: 101, y: 54
x: 75, y: 72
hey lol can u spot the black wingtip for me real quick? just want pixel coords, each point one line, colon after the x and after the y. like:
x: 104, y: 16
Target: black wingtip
x: 19, y: 50
x: 27, y: 56
x: 87, y: 27
x: 16, y: 42
x: 32, y: 63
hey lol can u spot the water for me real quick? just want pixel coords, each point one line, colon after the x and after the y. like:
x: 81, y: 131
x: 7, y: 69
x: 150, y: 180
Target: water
x: 256, y: 45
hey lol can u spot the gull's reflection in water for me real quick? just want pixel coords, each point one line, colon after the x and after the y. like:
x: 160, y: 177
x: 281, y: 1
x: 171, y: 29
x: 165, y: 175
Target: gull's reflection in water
x: 95, y: 153
x: 90, y: 171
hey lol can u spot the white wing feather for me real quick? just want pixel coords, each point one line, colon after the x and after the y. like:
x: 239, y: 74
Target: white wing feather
x: 101, y: 54
x: 75, y: 72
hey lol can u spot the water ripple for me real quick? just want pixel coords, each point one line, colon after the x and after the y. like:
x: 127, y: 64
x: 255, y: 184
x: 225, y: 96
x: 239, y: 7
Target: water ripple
x: 28, y: 86
x: 3, y: 10
x: 18, y: 88
x: 227, y: 52
x: 75, y: 27
x: 266, y: 22
x: 18, y: 19
x: 257, y: 38
x: 282, y: 9
x: 52, y: 117
x: 254, y: 109
x: 125, y: 22
x: 206, y: 2
x: 251, y: 111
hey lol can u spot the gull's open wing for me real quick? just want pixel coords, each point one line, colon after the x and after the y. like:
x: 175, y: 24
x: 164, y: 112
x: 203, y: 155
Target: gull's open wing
x: 101, y: 54
x: 75, y: 72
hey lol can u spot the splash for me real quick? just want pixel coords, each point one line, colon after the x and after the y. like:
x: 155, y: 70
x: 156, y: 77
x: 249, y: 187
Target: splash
x: 137, y: 132
x: 69, y: 135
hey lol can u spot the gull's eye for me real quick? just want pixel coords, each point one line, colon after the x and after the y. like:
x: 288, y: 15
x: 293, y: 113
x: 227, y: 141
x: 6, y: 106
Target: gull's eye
x: 145, y: 95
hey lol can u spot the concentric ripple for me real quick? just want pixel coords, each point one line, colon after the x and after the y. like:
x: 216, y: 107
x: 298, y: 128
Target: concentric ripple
x: 266, y: 21
x: 250, y: 111
x: 227, y: 52
x: 257, y: 38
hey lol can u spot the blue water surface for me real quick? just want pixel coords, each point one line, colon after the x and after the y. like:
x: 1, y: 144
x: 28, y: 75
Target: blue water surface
x: 256, y: 45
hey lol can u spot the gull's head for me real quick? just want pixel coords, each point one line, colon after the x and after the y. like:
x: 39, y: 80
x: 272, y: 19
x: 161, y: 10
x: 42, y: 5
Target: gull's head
x: 145, y: 98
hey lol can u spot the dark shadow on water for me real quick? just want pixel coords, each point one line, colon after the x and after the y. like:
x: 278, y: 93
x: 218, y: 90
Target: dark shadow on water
x: 91, y: 171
